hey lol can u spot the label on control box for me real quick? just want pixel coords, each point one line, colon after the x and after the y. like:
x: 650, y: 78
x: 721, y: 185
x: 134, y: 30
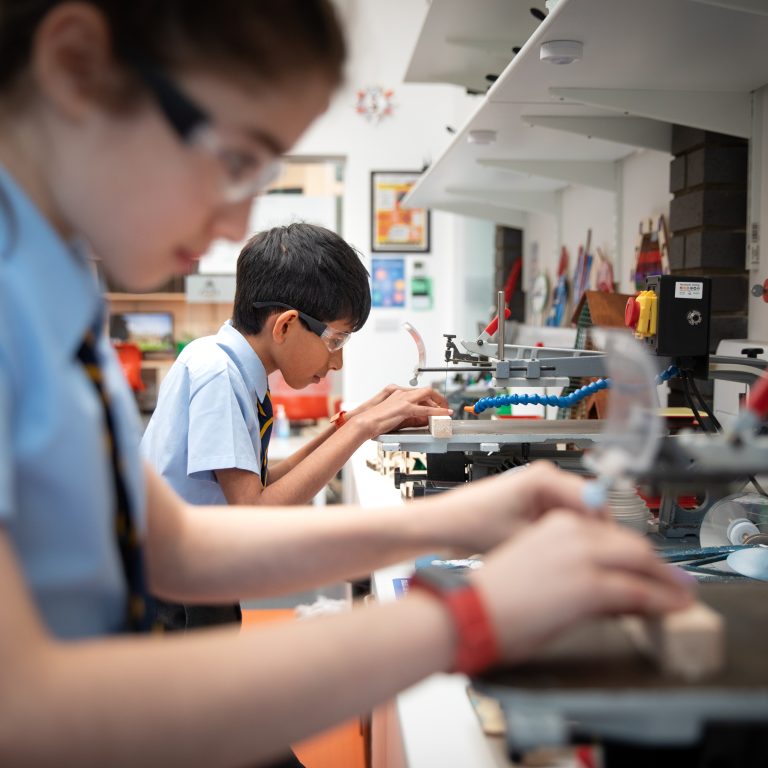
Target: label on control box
x: 689, y: 290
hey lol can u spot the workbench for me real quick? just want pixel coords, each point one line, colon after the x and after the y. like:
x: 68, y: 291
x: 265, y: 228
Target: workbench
x: 432, y: 723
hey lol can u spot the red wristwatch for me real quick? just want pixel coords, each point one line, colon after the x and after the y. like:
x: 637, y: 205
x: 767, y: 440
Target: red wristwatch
x: 339, y: 420
x: 477, y: 646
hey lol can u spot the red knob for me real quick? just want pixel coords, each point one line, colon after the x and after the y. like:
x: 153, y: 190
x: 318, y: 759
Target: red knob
x: 631, y: 313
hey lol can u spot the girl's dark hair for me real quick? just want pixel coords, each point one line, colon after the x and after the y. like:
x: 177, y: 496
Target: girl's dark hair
x: 272, y: 38
x: 306, y: 267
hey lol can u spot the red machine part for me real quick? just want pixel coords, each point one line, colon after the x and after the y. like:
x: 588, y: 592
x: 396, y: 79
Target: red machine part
x: 758, y: 397
x: 631, y: 313
x: 494, y: 324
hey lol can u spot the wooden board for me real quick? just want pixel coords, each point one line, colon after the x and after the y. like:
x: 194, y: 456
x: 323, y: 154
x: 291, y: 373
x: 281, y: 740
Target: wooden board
x: 600, y: 655
x: 688, y: 644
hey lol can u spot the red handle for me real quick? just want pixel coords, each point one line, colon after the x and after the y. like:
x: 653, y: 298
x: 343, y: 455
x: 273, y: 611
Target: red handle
x: 494, y: 324
x: 758, y: 396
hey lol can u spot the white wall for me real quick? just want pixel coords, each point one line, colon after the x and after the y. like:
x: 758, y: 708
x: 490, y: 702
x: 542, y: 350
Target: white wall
x: 381, y: 37
x: 644, y: 194
x: 583, y: 208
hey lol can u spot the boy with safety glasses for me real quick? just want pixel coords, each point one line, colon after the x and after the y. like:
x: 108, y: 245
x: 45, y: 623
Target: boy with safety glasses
x: 301, y: 293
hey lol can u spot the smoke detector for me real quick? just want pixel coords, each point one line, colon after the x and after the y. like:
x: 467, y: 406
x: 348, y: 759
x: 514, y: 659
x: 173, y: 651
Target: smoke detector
x: 480, y: 136
x: 561, y: 51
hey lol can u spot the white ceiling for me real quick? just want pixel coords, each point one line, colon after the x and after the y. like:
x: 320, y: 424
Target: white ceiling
x: 686, y: 61
x: 462, y: 41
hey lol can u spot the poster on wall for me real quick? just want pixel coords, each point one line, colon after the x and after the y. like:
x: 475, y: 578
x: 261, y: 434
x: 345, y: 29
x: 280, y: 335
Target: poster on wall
x: 393, y: 226
x: 388, y: 282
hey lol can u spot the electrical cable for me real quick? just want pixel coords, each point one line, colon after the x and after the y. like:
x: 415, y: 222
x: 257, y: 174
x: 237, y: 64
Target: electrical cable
x: 691, y: 404
x: 711, y: 416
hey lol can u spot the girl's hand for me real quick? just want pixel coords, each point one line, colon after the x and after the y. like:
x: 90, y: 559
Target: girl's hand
x: 565, y: 568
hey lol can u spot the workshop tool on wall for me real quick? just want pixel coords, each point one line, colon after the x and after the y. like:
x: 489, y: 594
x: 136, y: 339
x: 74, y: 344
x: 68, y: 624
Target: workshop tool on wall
x: 604, y: 281
x: 539, y: 297
x: 560, y: 292
x: 651, y: 251
x: 583, y: 269
x: 511, y: 283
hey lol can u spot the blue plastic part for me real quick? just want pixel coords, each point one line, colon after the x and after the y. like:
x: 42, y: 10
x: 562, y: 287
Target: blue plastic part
x: 566, y: 401
x: 593, y: 494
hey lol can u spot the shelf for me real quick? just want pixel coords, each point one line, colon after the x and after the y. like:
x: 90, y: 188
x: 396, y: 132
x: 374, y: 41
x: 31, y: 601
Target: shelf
x: 461, y: 47
x: 645, y: 66
x: 181, y: 297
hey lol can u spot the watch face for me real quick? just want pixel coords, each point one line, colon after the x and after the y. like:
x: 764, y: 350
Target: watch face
x: 443, y: 579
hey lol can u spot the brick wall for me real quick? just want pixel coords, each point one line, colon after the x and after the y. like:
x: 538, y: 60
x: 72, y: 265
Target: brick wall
x: 708, y: 221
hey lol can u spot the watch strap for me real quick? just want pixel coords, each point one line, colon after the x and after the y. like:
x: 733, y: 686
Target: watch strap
x: 477, y: 647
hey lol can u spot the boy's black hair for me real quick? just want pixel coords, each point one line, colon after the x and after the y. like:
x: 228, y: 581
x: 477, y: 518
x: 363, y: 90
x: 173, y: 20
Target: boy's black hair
x: 306, y: 267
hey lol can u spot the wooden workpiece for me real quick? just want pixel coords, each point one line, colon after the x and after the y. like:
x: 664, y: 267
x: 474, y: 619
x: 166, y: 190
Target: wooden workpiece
x: 440, y: 426
x: 688, y: 643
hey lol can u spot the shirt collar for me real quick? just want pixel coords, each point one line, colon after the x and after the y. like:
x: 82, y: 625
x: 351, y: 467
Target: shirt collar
x: 59, y: 276
x: 245, y: 358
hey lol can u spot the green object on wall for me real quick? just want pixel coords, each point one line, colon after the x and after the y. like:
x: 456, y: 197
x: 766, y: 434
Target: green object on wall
x: 421, y: 292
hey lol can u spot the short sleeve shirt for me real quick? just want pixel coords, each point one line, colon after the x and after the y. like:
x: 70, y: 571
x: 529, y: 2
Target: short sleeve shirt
x: 56, y: 486
x: 207, y: 416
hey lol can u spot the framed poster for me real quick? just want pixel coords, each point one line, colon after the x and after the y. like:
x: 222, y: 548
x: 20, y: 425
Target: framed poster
x: 388, y: 282
x: 393, y: 226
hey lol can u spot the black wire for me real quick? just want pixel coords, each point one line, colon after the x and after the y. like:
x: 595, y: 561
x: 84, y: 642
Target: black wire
x: 711, y: 416
x: 691, y: 404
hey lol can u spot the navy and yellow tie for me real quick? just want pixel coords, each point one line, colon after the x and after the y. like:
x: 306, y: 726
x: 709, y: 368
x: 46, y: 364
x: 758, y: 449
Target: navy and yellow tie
x: 138, y: 608
x: 265, y: 431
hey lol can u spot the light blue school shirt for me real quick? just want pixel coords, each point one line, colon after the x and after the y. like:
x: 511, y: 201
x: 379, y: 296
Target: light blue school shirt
x: 56, y: 487
x: 206, y: 416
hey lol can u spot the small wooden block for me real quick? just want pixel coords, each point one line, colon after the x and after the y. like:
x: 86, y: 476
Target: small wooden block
x: 440, y: 426
x: 688, y: 643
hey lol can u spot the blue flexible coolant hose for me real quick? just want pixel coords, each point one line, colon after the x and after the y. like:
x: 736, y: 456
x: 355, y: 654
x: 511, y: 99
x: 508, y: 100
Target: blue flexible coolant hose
x: 562, y: 401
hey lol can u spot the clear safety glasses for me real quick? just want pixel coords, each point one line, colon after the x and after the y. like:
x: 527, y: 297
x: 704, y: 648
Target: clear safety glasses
x: 248, y: 166
x: 333, y: 339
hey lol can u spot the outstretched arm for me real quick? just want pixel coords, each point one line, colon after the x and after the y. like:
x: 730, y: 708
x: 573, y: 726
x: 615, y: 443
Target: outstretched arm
x: 229, y: 553
x: 298, y: 479
x: 223, y: 698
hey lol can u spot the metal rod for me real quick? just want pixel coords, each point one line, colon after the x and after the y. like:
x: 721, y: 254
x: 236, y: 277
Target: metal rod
x: 502, y: 323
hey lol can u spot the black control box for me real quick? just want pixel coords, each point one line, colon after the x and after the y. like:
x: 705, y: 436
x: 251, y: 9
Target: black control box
x: 682, y: 331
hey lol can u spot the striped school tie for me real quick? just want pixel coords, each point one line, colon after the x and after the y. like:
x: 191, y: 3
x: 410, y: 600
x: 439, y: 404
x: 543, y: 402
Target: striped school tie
x: 265, y: 431
x: 139, y: 606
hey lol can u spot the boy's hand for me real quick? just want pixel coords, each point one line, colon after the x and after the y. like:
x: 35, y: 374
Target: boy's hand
x: 399, y: 407
x: 565, y: 568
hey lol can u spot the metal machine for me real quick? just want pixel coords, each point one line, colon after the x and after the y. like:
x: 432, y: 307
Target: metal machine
x: 594, y: 688
x: 672, y: 319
